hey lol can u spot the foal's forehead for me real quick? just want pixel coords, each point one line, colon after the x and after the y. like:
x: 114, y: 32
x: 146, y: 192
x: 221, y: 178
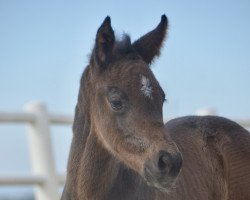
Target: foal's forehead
x: 136, y: 77
x: 134, y: 72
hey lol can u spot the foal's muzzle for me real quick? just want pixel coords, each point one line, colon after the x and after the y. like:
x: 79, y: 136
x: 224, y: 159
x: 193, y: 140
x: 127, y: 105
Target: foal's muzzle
x: 162, y: 171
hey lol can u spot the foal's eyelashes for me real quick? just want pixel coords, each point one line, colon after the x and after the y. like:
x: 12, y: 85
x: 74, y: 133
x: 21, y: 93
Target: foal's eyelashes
x: 116, y: 98
x: 164, y: 97
x: 116, y: 104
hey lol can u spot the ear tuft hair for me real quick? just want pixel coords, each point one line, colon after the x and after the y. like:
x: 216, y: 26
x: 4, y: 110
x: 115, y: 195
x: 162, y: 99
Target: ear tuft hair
x: 164, y: 18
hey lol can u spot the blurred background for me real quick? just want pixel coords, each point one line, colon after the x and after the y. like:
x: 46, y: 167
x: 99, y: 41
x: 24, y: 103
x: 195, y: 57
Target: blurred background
x: 44, y: 48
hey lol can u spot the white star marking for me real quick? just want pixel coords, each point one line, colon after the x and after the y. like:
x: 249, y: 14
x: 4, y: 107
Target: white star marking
x: 146, y: 87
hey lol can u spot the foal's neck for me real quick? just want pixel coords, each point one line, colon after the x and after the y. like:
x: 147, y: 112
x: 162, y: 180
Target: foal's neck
x: 98, y: 170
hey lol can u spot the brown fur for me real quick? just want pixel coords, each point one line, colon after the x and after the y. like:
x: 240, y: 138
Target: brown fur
x: 120, y: 147
x: 216, y: 159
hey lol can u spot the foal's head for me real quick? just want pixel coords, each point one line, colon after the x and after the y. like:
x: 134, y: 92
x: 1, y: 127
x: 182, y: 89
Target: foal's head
x: 125, y: 101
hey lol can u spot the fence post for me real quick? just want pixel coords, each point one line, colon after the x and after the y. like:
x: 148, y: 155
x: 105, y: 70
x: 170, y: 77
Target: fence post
x: 41, y: 153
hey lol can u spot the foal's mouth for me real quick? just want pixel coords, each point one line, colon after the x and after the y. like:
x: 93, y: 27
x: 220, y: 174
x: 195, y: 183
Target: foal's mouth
x: 163, y: 183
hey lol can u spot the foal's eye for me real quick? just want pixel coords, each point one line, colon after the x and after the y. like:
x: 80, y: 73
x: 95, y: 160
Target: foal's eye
x: 117, y: 99
x: 116, y: 104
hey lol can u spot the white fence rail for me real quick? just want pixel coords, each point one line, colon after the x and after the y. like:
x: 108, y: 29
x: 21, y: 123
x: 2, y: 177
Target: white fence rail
x: 44, y: 176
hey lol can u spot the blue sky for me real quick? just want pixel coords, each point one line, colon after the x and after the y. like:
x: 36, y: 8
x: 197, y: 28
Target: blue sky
x: 44, y: 48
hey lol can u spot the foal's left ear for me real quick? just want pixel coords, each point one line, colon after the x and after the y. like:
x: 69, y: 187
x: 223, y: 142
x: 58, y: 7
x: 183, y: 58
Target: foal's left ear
x: 104, y: 42
x: 149, y: 45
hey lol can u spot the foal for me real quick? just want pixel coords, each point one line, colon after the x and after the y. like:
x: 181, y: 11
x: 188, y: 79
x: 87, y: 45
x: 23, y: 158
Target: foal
x: 120, y: 148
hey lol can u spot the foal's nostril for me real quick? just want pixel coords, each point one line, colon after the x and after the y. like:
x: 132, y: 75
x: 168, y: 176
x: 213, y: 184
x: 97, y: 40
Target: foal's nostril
x: 164, y: 160
x: 163, y: 169
x: 170, y: 164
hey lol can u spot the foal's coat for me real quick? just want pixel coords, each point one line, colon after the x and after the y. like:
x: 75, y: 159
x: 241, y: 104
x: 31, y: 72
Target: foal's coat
x: 121, y: 148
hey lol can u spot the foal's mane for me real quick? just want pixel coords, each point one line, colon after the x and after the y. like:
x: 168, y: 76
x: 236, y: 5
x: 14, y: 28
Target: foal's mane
x: 123, y: 46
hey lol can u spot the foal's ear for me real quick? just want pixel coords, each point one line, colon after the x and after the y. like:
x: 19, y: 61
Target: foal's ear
x: 149, y: 45
x: 104, y: 42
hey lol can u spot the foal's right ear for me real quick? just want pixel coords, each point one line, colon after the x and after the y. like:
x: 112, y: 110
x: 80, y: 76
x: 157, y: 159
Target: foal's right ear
x: 104, y: 42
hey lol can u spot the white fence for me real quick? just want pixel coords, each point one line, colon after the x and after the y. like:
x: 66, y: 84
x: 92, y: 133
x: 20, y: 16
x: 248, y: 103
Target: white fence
x: 44, y: 176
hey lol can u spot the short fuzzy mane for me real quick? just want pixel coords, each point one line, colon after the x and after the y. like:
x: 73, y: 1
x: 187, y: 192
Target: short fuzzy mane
x: 123, y: 46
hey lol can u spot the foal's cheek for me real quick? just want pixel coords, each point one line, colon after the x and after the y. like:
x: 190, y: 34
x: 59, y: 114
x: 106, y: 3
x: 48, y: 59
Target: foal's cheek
x: 130, y: 158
